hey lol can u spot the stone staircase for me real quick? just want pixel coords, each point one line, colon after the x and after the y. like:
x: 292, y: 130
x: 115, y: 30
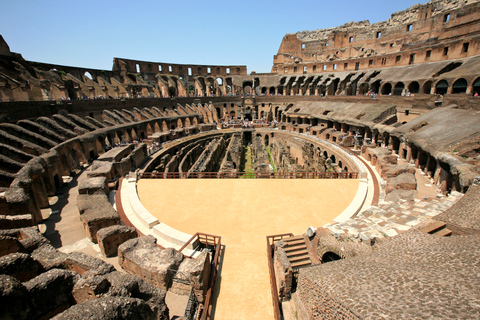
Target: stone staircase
x: 297, y: 252
x: 437, y: 228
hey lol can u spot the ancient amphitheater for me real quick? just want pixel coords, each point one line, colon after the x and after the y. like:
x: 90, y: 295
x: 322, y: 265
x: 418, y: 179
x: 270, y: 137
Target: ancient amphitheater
x: 344, y: 184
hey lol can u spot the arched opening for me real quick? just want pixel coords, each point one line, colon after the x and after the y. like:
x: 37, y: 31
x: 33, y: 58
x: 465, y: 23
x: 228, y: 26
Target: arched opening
x: 232, y: 115
x: 272, y: 91
x: 330, y: 256
x: 460, y: 86
x: 333, y: 158
x: 280, y: 90
x: 476, y: 86
x: 172, y: 92
x: 414, y: 87
x: 248, y: 114
x: 375, y: 87
x: 427, y: 87
x: 363, y: 89
x: 387, y: 89
x: 398, y: 89
x: 441, y: 87
x: 264, y: 90
x: 219, y: 81
x: 267, y: 140
x: 247, y: 87
x: 88, y: 75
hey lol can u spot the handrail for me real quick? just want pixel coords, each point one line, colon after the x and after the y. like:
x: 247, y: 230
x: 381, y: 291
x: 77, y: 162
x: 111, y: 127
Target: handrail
x: 213, y: 275
x: 277, y: 313
x: 255, y: 175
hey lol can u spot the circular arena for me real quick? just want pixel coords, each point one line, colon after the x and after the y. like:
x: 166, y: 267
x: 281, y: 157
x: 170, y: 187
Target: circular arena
x: 342, y: 185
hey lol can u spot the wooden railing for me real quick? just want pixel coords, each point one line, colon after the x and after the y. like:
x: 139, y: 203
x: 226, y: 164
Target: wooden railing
x: 277, y: 312
x: 251, y: 175
x: 216, y: 243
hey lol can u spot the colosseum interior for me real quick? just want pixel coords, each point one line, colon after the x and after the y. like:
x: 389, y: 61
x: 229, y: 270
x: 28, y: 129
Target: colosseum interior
x: 151, y: 191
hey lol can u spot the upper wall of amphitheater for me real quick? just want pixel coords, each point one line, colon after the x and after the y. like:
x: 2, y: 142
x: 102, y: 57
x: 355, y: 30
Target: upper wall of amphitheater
x: 435, y: 31
x: 136, y: 66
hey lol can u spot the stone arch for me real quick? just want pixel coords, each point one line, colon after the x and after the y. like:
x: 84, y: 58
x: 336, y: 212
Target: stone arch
x: 179, y: 123
x: 126, y: 136
x: 164, y: 126
x: 460, y: 86
x: 264, y: 90
x: 427, y: 87
x: 332, y: 157
x: 413, y: 87
x: 187, y: 122
x: 476, y: 86
x: 271, y: 91
x: 387, y: 89
x: 195, y: 121
x: 363, y: 89
x: 330, y: 256
x: 441, y: 87
x: 398, y: 90
x: 133, y: 134
x: 247, y: 87
x: 100, y: 145
x: 149, y: 129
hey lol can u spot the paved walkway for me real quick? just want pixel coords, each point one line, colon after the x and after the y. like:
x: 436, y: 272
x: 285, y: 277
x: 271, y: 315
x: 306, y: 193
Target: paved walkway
x: 388, y: 219
x: 63, y: 227
x: 243, y: 213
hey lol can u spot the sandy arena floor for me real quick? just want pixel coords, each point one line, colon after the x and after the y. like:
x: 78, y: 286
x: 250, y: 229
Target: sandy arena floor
x: 243, y: 213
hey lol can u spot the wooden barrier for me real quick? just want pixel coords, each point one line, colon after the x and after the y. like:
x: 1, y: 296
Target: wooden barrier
x: 277, y: 311
x: 251, y: 175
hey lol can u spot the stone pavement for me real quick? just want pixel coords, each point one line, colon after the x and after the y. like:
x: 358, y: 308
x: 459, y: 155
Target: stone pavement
x: 389, y: 219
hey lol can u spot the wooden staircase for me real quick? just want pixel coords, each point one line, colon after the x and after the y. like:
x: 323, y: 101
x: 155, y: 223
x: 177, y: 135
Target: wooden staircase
x: 297, y: 252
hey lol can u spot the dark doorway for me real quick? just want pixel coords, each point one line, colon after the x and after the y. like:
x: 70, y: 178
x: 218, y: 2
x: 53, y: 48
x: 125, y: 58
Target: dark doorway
x: 329, y: 257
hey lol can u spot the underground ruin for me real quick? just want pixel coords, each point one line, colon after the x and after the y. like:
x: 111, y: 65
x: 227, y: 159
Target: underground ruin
x: 392, y: 106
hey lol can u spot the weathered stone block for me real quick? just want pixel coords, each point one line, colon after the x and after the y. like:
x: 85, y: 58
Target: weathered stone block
x: 193, y: 273
x: 49, y: 257
x: 93, y: 185
x: 96, y: 213
x: 19, y: 265
x: 9, y: 245
x: 50, y: 292
x: 142, y: 257
x: 283, y: 272
x: 14, y: 300
x: 110, y: 308
x: 85, y: 264
x: 124, y: 284
x: 110, y: 238
x: 90, y: 288
x: 404, y: 181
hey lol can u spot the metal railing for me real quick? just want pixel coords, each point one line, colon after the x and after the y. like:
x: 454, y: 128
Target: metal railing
x: 250, y: 175
x: 277, y: 311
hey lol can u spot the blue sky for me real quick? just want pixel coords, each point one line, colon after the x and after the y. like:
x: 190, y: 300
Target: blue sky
x: 87, y: 33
